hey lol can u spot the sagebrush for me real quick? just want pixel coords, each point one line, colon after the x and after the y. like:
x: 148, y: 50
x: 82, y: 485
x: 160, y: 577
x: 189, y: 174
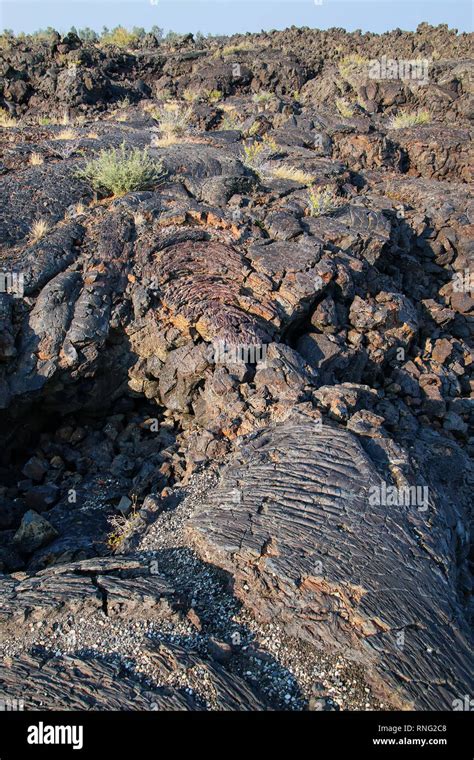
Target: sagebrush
x: 123, y: 170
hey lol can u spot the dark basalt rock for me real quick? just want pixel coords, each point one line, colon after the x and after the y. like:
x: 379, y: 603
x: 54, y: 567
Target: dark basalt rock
x: 306, y: 546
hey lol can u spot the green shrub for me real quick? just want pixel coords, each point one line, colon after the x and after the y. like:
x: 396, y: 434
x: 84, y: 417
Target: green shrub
x: 257, y: 153
x: 213, y: 96
x: 122, y: 170
x: 231, y: 121
x: 263, y: 97
x: 321, y: 201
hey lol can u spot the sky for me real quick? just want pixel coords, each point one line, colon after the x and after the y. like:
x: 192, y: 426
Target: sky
x: 235, y: 16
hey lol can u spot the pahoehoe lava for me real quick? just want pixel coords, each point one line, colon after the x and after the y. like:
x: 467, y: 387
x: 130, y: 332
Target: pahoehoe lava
x: 236, y: 405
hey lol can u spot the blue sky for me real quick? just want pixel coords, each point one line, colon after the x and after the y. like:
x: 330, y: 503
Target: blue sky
x: 232, y: 16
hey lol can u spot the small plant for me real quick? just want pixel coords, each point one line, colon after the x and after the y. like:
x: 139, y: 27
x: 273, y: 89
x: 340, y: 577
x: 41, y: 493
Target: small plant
x: 254, y: 128
x: 47, y: 121
x: 122, y: 528
x: 403, y: 120
x: 124, y: 103
x: 165, y: 95
x: 353, y: 68
x: 190, y: 96
x: 139, y: 219
x: 255, y: 156
x: 344, y: 108
x: 121, y: 171
x: 74, y: 62
x: 213, y: 96
x: 173, y: 123
x: 65, y: 134
x: 36, y: 159
x: 6, y: 120
x: 231, y: 121
x: 38, y: 230
x: 270, y: 143
x: 293, y: 174
x: 263, y: 98
x: 321, y: 201
x: 257, y: 153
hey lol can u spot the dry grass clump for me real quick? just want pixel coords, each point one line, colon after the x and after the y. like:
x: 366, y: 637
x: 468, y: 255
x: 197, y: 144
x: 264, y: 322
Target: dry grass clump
x: 6, y: 120
x: 39, y: 229
x: 173, y: 122
x: 402, y: 120
x: 190, y: 96
x: 36, y: 159
x: 293, y: 174
x: 254, y: 128
x: 344, y: 108
x: 253, y: 154
x: 124, y: 103
x: 139, y: 219
x: 235, y: 49
x: 65, y: 134
x: 119, y: 112
x: 165, y: 95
